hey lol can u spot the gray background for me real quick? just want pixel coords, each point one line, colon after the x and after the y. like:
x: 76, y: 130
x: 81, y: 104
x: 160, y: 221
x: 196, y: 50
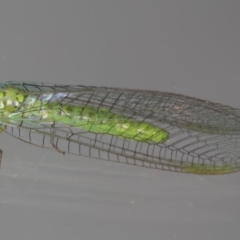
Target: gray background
x: 188, y: 47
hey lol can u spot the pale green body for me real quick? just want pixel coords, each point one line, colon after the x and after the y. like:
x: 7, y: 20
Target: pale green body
x: 16, y: 105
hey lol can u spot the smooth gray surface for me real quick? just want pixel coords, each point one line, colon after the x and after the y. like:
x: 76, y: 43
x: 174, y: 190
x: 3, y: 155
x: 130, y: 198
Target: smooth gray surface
x: 188, y: 47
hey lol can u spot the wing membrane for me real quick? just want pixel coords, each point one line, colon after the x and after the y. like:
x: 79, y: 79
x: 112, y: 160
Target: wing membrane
x: 200, y: 132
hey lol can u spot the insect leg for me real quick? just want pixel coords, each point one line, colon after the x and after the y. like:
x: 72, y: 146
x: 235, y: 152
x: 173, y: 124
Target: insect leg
x: 53, y: 144
x: 2, y: 127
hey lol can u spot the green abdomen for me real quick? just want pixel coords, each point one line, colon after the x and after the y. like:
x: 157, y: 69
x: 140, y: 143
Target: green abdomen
x: 102, y: 121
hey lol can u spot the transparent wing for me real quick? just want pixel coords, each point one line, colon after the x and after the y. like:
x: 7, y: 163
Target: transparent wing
x: 174, y: 109
x: 203, y: 137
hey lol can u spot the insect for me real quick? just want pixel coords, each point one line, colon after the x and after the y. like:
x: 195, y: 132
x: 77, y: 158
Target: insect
x: 145, y: 128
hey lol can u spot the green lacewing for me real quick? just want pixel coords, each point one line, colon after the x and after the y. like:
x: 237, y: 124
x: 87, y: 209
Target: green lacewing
x: 144, y: 128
